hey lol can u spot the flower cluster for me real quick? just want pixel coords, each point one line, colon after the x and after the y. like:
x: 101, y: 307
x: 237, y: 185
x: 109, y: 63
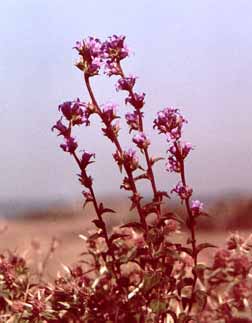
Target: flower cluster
x: 136, y: 100
x: 141, y: 140
x: 90, y: 53
x: 169, y: 121
x: 75, y: 113
x: 114, y: 50
x: 126, y: 83
x: 132, y: 119
x: 184, y: 192
x: 127, y: 158
x: 196, y: 207
x: 94, y: 54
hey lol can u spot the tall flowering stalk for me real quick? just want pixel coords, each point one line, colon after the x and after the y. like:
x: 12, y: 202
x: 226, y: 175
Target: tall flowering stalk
x: 163, y: 269
x: 170, y: 123
x: 77, y: 113
x: 112, y: 52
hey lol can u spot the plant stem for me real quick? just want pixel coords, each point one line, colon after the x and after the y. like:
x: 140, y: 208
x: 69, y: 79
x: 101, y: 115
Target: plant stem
x: 119, y: 148
x: 151, y: 176
x: 98, y: 213
x: 190, y: 224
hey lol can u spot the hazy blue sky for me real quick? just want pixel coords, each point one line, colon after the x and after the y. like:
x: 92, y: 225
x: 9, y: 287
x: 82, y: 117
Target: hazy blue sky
x: 191, y: 54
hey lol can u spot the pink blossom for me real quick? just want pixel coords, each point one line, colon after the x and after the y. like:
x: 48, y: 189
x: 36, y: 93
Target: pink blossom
x: 128, y: 158
x: 89, y: 47
x: 70, y: 145
x: 90, y: 55
x: 169, y: 121
x: 74, y: 111
x: 114, y: 49
x: 63, y: 130
x: 184, y: 192
x: 126, y: 83
x: 185, y: 147
x: 132, y: 119
x: 141, y: 140
x: 173, y: 165
x: 109, y: 112
x: 180, y: 149
x: 196, y: 207
x: 111, y: 131
x: 85, y: 159
x: 136, y: 100
x: 112, y: 68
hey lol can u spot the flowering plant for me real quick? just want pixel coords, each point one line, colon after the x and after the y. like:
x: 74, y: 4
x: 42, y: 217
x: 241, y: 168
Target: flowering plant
x: 139, y: 272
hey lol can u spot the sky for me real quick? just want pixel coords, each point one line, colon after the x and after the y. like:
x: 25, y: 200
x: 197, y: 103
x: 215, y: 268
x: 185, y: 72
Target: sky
x: 195, y: 55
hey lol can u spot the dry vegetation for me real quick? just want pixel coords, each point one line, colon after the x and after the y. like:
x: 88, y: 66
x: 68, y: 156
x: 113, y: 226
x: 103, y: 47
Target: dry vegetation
x: 32, y: 233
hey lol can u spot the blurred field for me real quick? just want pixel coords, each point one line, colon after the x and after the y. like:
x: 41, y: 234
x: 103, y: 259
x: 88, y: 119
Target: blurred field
x: 31, y: 233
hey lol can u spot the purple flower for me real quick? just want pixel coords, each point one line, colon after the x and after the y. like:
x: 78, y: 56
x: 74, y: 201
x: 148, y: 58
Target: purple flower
x: 141, y: 140
x: 185, y: 147
x: 74, y: 111
x: 127, y: 158
x: 173, y: 165
x: 180, y: 150
x: 90, y: 55
x: 89, y: 47
x: 85, y: 159
x: 131, y: 160
x: 63, y: 130
x: 70, y: 145
x: 111, y: 130
x: 94, y: 67
x: 112, y: 68
x: 126, y: 83
x: 184, y: 192
x: 114, y: 49
x: 136, y: 100
x: 196, y: 207
x: 109, y: 112
x: 132, y: 119
x: 169, y: 121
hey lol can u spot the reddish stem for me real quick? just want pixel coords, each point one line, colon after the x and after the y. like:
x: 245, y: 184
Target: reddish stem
x: 191, y: 222
x: 98, y: 213
x: 146, y: 153
x: 119, y: 148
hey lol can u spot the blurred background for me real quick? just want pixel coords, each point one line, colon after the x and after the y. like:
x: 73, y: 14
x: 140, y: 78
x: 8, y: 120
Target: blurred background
x: 195, y: 55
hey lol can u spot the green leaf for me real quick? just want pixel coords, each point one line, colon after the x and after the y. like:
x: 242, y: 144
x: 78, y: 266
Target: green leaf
x: 150, y: 281
x: 157, y: 306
